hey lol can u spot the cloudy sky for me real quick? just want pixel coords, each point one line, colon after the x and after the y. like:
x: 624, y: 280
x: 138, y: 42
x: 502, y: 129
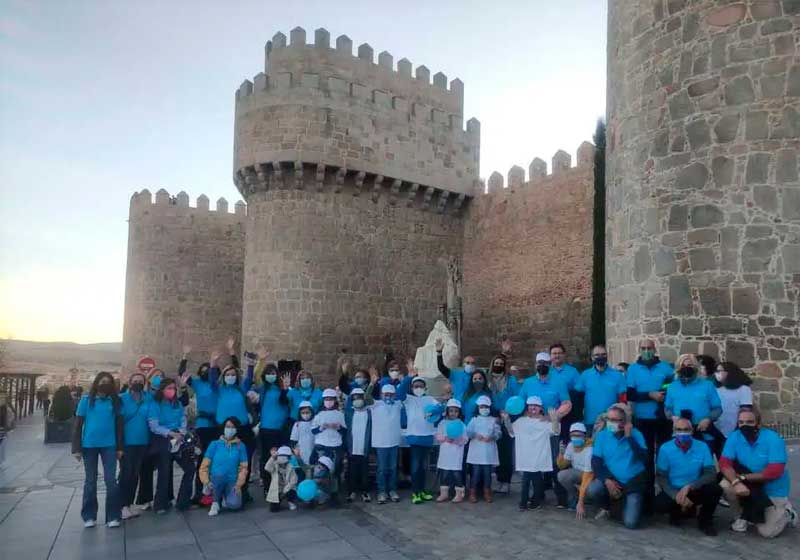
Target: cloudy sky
x: 100, y: 99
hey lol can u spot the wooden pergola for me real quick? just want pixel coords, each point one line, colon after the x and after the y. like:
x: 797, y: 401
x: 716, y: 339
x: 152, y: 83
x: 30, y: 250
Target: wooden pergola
x: 17, y: 391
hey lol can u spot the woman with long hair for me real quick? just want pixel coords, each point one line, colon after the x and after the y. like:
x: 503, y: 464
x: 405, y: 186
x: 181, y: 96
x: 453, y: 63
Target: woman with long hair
x: 136, y: 403
x: 733, y: 387
x: 98, y: 435
x: 503, y: 386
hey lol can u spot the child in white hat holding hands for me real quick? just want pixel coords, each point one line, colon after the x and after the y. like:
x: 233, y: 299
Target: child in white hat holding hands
x: 451, y: 453
x: 483, y: 432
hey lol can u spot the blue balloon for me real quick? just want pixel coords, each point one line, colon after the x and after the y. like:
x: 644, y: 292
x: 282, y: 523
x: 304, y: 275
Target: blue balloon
x: 515, y: 406
x: 307, y: 490
x: 455, y: 429
x: 433, y: 412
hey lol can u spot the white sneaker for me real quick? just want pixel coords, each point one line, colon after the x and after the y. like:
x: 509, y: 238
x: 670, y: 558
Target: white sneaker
x: 394, y: 496
x: 292, y: 506
x: 602, y: 514
x: 128, y: 513
x: 89, y: 524
x: 145, y: 506
x: 214, y: 510
x: 793, y: 521
x: 502, y: 488
x: 723, y: 502
x: 381, y: 498
x: 739, y: 526
x: 113, y: 524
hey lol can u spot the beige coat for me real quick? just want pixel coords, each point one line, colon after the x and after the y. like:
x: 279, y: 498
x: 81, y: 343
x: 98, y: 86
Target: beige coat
x: 283, y: 479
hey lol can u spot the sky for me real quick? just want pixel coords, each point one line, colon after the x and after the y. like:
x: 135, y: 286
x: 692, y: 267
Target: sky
x: 102, y: 99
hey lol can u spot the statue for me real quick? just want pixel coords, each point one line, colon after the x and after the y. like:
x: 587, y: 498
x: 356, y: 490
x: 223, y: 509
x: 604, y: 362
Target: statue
x: 454, y: 282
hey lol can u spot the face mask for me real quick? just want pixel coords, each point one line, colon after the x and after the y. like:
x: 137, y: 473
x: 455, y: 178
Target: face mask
x: 104, y: 388
x: 388, y: 399
x: 305, y: 416
x: 360, y: 381
x: 270, y: 378
x: 612, y: 427
x: 720, y: 377
x: 578, y: 441
x: 469, y: 369
x: 282, y: 459
x: 305, y: 383
x: 156, y: 382
x: 137, y: 387
x: 484, y: 411
x: 169, y: 393
x: 498, y: 369
x: 358, y: 403
x: 601, y: 361
x: 477, y: 383
x: 230, y: 432
x: 683, y: 439
x: 542, y: 369
x: 687, y: 373
x: 328, y: 403
x: 203, y: 373
x: 419, y: 391
x: 394, y: 374
x: 749, y: 432
x: 230, y: 380
x: 648, y: 355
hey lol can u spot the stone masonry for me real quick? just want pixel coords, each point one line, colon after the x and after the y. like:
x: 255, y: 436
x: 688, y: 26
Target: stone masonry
x: 703, y: 231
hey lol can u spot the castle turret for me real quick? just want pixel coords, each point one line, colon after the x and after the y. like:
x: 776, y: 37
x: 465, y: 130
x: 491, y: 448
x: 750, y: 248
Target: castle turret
x: 703, y: 232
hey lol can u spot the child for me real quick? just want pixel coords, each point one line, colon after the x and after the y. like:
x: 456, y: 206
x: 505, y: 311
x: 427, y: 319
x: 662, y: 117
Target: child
x: 388, y: 418
x: 224, y: 468
x: 328, y: 427
x: 533, y: 454
x: 451, y: 454
x: 483, y: 431
x: 419, y: 435
x: 283, y: 480
x: 302, y: 437
x: 576, y: 468
x: 359, y: 429
x: 324, y: 474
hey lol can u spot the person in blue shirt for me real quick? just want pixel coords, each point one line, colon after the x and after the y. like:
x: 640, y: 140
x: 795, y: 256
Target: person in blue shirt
x: 503, y: 386
x: 272, y: 394
x: 167, y: 422
x: 98, y: 435
x: 695, y: 398
x: 601, y: 385
x: 647, y: 381
x: 304, y: 390
x: 402, y: 384
x: 619, y: 454
x: 568, y: 375
x: 460, y: 378
x: 756, y: 480
x: 136, y: 435
x: 225, y: 468
x: 687, y: 477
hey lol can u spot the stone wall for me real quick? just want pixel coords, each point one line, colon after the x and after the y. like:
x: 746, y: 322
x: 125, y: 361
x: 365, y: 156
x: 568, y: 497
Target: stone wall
x: 337, y: 268
x: 184, y: 278
x: 703, y: 233
x: 528, y: 260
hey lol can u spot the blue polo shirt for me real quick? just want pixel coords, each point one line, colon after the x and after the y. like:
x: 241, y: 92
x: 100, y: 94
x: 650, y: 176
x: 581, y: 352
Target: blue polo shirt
x: 699, y: 396
x: 645, y: 379
x: 567, y: 374
x: 551, y: 390
x: 169, y: 416
x: 205, y: 394
x: 768, y: 448
x: 470, y: 406
x: 512, y: 389
x: 136, y: 431
x: 401, y: 386
x: 602, y: 389
x: 459, y: 380
x: 296, y: 396
x: 99, y: 422
x: 683, y: 467
x: 618, y: 454
x: 225, y: 458
x: 273, y: 412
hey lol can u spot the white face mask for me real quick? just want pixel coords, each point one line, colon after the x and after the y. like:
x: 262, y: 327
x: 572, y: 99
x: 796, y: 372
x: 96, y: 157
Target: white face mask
x: 282, y: 459
x: 419, y: 391
x: 230, y: 433
x: 230, y: 379
x: 484, y: 411
x: 305, y: 415
x: 328, y: 403
x: 469, y: 369
x: 358, y: 403
x: 394, y: 374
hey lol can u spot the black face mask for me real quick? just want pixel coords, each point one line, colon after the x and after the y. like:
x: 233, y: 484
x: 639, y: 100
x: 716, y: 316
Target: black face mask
x: 687, y: 373
x: 600, y: 361
x: 203, y: 373
x: 750, y: 433
x: 478, y: 384
x: 104, y: 388
x: 542, y: 369
x: 137, y: 387
x: 498, y: 369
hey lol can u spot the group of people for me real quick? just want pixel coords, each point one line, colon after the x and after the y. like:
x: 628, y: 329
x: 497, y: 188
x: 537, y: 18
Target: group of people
x: 600, y: 437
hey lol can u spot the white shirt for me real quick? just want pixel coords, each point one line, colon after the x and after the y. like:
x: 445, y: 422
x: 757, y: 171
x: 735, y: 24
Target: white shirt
x: 451, y: 455
x: 417, y: 424
x: 580, y: 460
x: 483, y: 452
x: 301, y: 433
x: 328, y: 437
x: 386, y: 424
x: 532, y: 452
x: 732, y: 399
x: 358, y: 431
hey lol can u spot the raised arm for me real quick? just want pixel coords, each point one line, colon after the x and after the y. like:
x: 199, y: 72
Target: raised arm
x: 443, y: 369
x: 231, y: 346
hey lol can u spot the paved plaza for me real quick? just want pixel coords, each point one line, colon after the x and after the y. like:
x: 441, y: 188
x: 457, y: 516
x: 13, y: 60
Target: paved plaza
x: 40, y: 497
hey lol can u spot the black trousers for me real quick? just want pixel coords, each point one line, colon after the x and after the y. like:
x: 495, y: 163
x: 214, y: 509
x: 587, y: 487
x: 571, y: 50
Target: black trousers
x: 655, y: 432
x: 706, y: 498
x: 206, y: 436
x: 146, y: 473
x: 269, y: 439
x: 248, y: 438
x: 505, y: 451
x: 357, y: 473
x: 164, y: 460
x: 131, y: 466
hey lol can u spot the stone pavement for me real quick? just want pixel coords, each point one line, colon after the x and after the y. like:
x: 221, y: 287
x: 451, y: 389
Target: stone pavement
x: 40, y: 497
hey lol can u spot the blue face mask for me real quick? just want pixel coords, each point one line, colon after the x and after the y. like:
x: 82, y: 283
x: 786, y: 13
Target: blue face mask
x: 683, y: 439
x: 360, y: 381
x: 305, y: 383
x: 578, y: 441
x: 469, y: 369
x: 388, y: 399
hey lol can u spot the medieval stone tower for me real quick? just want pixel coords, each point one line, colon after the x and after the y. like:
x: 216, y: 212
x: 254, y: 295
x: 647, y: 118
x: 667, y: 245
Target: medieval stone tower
x: 703, y: 231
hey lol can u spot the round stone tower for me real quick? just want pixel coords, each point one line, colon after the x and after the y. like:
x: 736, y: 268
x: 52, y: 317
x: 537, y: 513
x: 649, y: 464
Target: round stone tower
x: 355, y: 174
x: 703, y: 234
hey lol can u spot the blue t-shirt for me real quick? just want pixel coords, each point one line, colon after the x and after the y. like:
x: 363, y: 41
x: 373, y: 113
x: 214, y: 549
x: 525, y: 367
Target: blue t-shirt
x: 401, y: 386
x: 99, y: 422
x: 169, y: 416
x: 567, y: 374
x: 205, y: 394
x: 551, y: 390
x: 512, y: 389
x: 296, y: 396
x: 683, y: 467
x: 135, y: 413
x: 470, y: 406
x: 699, y: 396
x: 273, y: 412
x: 602, y: 389
x: 618, y: 454
x: 225, y: 458
x: 768, y: 448
x: 231, y: 402
x: 460, y: 381
x: 644, y: 380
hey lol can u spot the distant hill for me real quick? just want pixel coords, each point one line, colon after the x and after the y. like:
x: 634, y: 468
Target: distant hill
x: 58, y: 357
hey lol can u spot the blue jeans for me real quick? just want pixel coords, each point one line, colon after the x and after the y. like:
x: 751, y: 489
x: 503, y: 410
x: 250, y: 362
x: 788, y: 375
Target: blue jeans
x: 535, y: 479
x: 129, y: 469
x: 225, y: 489
x: 89, y: 508
x: 631, y: 506
x: 387, y: 469
x: 452, y: 479
x: 480, y: 476
x: 419, y: 467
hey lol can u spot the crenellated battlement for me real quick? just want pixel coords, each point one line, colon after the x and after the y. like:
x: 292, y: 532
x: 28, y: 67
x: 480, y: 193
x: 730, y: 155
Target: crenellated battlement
x: 180, y: 203
x: 320, y: 105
